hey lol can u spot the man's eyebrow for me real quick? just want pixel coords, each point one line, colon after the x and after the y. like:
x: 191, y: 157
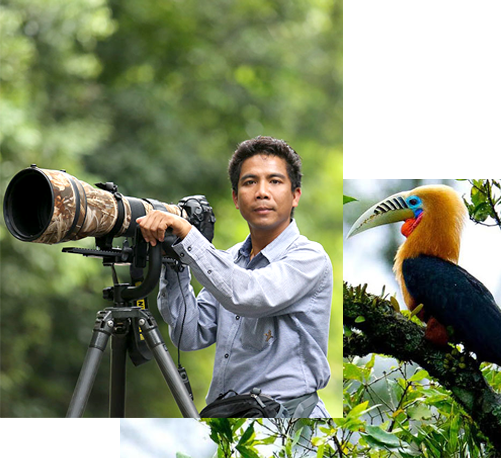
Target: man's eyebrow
x: 278, y: 175
x: 247, y: 175
x: 271, y: 175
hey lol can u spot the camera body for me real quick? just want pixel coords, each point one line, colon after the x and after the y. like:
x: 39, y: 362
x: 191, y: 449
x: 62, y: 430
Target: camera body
x: 200, y: 214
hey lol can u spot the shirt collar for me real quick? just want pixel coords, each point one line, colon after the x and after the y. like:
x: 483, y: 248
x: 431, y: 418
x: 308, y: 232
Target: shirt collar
x: 273, y: 250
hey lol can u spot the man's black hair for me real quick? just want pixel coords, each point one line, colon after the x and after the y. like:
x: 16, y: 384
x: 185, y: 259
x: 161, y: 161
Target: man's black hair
x: 268, y: 146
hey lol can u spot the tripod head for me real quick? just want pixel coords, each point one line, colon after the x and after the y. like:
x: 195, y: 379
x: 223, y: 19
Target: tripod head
x: 133, y: 294
x: 138, y: 257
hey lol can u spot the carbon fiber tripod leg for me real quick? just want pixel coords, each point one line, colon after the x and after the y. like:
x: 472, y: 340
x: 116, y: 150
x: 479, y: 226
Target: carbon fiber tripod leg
x: 118, y: 373
x: 100, y: 336
x: 167, y: 367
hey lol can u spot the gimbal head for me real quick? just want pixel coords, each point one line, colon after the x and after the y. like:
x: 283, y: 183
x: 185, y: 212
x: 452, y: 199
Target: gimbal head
x: 138, y: 257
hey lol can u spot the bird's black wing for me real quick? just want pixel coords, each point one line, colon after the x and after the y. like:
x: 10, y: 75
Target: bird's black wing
x: 456, y: 298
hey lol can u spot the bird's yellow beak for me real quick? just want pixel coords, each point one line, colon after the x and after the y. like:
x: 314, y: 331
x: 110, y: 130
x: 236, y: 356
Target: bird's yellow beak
x: 390, y: 210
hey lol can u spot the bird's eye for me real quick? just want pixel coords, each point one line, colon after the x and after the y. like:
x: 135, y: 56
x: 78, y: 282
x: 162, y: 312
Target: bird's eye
x: 413, y: 201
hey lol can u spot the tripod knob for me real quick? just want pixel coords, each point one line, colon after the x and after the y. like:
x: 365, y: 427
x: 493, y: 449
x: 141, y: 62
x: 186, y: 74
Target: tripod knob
x: 108, y: 293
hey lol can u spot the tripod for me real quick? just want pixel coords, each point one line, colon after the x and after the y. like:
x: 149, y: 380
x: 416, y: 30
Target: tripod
x: 126, y: 323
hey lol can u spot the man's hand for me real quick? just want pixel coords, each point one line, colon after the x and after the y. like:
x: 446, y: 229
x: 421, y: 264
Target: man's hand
x: 155, y: 223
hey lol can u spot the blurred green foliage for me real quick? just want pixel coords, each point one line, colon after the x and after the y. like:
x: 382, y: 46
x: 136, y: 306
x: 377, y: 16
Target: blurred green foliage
x: 154, y: 96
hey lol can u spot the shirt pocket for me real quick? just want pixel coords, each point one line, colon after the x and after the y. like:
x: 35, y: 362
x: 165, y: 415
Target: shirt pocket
x: 258, y: 333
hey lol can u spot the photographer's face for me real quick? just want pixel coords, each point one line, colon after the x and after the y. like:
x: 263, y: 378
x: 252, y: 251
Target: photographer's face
x: 264, y: 197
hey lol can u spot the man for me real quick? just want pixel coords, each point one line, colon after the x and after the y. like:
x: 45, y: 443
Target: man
x: 266, y: 302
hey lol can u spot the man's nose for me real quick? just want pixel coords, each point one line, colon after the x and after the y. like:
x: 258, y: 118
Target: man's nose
x: 263, y: 191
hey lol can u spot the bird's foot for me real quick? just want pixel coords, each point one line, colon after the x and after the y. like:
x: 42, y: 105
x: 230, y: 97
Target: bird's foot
x: 436, y: 333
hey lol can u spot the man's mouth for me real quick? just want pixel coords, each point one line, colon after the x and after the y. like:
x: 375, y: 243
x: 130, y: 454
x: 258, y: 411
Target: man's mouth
x: 263, y: 210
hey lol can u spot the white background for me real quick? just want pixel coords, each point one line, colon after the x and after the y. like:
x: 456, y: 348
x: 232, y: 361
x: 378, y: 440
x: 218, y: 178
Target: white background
x: 422, y: 92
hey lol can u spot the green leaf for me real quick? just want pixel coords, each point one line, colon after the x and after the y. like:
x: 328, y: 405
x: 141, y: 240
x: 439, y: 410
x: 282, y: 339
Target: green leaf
x: 297, y: 436
x: 419, y: 412
x: 360, y: 410
x: 288, y: 447
x: 237, y: 423
x: 248, y: 435
x: 379, y: 437
x: 454, y: 432
x: 269, y: 440
x: 482, y: 211
x: 182, y: 455
x: 419, y: 375
x: 348, y: 199
x: 320, y: 451
x: 370, y: 364
x: 214, y: 436
x: 352, y: 372
x: 222, y: 426
x: 477, y: 196
x: 359, y: 319
x: 394, y: 303
x: 417, y: 310
x: 247, y: 452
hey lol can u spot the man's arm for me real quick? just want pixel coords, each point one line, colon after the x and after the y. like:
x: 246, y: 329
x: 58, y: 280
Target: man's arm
x: 195, y: 318
x: 254, y: 293
x: 267, y: 291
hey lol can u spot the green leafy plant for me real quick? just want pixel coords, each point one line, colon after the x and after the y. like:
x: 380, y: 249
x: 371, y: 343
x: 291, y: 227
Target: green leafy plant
x: 484, y: 202
x: 404, y: 413
x: 281, y: 438
x: 348, y: 199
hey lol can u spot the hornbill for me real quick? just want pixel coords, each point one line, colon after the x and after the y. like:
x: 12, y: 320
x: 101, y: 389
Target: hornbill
x: 427, y: 271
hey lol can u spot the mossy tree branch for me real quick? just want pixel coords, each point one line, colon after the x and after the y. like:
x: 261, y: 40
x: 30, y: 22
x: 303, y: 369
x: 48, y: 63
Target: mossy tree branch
x: 380, y: 328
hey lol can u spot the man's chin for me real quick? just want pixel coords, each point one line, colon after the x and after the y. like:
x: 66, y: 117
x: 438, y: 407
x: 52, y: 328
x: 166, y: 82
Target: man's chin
x: 267, y: 224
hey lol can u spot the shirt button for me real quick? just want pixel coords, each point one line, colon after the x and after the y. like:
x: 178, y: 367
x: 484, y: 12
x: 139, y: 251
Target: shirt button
x: 237, y: 317
x: 181, y: 254
x: 209, y: 272
x: 227, y: 356
x: 189, y: 248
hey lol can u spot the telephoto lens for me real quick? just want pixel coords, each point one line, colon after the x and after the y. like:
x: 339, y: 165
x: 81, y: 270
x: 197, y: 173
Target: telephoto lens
x: 52, y: 206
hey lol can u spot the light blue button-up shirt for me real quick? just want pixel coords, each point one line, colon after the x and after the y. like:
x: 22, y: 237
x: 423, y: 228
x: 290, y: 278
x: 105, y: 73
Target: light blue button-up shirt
x: 269, y: 316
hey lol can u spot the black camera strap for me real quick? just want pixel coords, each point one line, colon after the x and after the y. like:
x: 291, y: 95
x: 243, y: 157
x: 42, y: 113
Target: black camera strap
x: 180, y: 368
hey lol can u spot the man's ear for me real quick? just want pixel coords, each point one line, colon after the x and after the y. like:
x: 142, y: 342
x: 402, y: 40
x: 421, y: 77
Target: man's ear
x: 235, y: 199
x: 296, y: 196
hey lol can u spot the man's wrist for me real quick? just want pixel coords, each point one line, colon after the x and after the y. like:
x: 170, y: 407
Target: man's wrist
x: 183, y: 229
